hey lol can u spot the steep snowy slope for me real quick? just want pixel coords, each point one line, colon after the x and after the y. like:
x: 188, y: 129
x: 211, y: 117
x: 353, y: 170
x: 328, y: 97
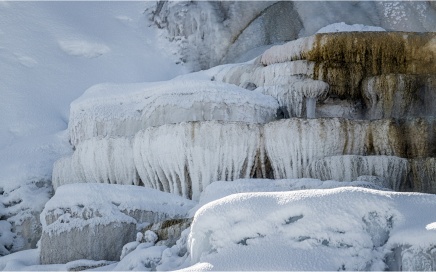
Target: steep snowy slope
x: 50, y: 52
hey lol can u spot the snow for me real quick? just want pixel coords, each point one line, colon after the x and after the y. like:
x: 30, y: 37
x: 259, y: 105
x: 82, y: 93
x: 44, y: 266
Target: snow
x: 221, y: 189
x: 50, y: 53
x: 119, y: 110
x: 343, y: 27
x: 330, y: 229
x: 106, y: 203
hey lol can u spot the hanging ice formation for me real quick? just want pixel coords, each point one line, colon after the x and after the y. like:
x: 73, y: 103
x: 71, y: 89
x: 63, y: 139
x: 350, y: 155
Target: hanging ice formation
x: 356, y: 105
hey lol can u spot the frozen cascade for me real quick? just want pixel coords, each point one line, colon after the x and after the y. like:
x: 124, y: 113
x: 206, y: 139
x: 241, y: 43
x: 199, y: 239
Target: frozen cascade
x: 291, y: 145
x: 98, y: 160
x: 122, y: 110
x: 184, y: 158
x: 392, y: 170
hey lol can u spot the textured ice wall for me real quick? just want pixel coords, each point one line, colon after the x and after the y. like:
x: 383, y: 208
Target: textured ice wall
x: 98, y: 160
x: 391, y: 170
x: 185, y: 158
x: 292, y: 144
x: 122, y: 110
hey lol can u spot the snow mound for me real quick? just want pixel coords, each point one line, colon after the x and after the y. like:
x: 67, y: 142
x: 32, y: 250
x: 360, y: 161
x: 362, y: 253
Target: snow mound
x: 343, y: 27
x: 122, y: 110
x: 184, y: 158
x: 334, y: 229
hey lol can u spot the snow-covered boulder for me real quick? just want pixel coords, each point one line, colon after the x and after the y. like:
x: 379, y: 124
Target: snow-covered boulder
x: 95, y: 221
x: 184, y: 158
x: 334, y: 229
x: 122, y: 110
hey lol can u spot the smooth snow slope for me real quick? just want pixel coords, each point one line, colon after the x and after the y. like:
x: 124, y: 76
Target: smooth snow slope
x: 50, y: 52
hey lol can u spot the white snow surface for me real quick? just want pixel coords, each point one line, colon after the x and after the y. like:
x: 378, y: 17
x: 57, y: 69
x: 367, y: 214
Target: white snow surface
x: 120, y: 110
x: 221, y: 189
x: 50, y: 52
x: 45, y: 50
x: 329, y: 229
x: 343, y: 27
x: 82, y: 204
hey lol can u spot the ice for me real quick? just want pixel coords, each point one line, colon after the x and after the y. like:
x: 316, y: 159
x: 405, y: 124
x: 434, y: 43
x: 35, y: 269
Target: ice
x: 184, y: 158
x: 291, y: 145
x: 117, y: 110
x: 334, y: 229
x: 392, y: 170
x: 298, y: 89
x: 98, y: 160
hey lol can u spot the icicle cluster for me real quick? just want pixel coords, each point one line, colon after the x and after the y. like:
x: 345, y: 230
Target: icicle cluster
x: 101, y: 160
x: 185, y: 158
x: 392, y: 170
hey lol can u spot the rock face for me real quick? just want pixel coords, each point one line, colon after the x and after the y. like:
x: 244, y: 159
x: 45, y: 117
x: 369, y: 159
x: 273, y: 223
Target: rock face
x: 95, y: 221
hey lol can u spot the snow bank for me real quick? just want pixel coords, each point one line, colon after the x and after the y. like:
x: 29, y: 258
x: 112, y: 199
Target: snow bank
x: 334, y: 229
x: 343, y: 27
x: 184, y: 158
x: 95, y: 221
x: 98, y: 160
x: 122, y: 110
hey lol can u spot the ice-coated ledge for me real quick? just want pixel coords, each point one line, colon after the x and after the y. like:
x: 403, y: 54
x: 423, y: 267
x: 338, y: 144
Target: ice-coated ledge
x: 123, y: 110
